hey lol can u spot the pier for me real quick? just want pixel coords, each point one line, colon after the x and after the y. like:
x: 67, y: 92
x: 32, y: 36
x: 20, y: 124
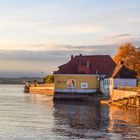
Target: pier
x: 40, y: 89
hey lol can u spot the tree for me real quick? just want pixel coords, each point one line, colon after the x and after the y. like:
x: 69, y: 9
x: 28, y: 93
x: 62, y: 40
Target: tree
x: 130, y: 57
x: 48, y: 79
x: 35, y: 82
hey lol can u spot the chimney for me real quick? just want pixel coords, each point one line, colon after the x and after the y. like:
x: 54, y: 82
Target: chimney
x: 88, y: 64
x: 96, y: 72
x: 121, y: 62
x: 72, y: 57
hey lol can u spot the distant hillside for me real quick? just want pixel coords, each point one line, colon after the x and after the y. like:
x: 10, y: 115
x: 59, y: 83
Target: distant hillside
x: 19, y: 80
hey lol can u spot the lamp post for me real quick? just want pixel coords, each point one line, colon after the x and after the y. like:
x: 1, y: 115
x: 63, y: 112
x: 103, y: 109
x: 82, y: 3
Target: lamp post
x: 42, y: 73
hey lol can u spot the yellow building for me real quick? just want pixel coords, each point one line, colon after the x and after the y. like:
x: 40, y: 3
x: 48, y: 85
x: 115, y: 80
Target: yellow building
x: 76, y: 83
x: 82, y: 75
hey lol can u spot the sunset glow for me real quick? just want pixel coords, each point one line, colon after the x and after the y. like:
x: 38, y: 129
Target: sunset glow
x: 63, y: 27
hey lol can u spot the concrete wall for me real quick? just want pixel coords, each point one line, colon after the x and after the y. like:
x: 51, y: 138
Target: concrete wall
x: 91, y: 80
x: 42, y: 89
x: 120, y: 94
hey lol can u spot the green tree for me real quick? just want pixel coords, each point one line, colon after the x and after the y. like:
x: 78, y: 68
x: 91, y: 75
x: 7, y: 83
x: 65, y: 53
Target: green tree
x: 48, y: 79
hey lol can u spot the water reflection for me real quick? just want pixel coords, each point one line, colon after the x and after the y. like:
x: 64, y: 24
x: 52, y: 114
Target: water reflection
x: 92, y: 120
x: 124, y: 115
x: 33, y: 116
x: 125, y: 122
x: 82, y: 119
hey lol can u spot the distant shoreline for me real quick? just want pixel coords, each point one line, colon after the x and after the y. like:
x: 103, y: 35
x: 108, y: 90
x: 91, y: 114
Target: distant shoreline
x: 20, y: 80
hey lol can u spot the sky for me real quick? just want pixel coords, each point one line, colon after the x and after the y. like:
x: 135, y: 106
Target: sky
x: 36, y: 36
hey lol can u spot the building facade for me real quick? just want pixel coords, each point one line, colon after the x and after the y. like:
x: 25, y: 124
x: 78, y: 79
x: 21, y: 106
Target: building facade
x: 76, y: 83
x: 119, y: 77
x: 83, y: 74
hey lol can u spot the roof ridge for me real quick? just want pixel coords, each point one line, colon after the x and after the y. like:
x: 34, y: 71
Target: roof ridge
x: 102, y: 63
x: 91, y: 55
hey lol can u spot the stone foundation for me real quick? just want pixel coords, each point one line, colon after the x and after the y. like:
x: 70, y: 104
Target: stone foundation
x: 132, y: 101
x: 76, y: 96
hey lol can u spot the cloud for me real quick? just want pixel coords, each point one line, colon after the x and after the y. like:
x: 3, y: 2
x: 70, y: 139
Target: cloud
x: 121, y: 38
x: 67, y: 22
x: 54, y: 50
x: 27, y: 62
x: 122, y: 35
x: 47, y: 27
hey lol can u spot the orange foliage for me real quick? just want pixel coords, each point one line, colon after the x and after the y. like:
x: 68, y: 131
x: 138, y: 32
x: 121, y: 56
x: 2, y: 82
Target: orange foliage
x: 130, y: 57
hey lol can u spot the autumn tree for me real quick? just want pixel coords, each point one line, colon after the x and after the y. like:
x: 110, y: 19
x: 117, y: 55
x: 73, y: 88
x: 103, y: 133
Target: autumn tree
x: 130, y: 57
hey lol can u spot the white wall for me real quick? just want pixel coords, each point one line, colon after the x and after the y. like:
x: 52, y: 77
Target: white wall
x: 102, y: 88
x: 111, y: 83
x: 125, y: 82
x: 102, y: 85
x: 116, y: 82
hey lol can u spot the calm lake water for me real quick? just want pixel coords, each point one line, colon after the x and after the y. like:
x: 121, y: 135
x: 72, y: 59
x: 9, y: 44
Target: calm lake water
x: 37, y: 117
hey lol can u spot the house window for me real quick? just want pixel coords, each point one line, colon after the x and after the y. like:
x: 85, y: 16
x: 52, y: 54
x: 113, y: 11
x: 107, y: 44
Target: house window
x: 84, y: 85
x: 104, y: 82
x: 71, y: 83
x: 107, y: 82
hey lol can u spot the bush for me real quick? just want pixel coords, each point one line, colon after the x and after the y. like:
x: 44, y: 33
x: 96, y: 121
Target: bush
x: 48, y: 79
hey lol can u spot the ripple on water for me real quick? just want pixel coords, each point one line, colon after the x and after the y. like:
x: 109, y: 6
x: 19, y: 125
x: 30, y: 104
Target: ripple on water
x: 32, y: 116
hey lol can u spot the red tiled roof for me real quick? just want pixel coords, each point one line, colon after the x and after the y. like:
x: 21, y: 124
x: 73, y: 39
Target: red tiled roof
x: 93, y: 64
